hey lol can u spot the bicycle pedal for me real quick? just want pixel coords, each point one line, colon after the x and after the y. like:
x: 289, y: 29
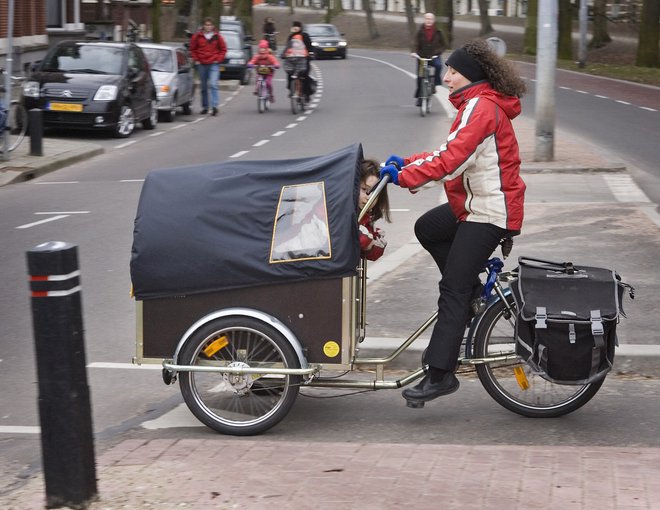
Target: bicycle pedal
x: 414, y: 404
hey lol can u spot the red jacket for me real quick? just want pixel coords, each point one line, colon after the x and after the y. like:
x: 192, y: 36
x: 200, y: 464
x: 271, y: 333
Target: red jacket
x: 207, y: 51
x: 372, y: 239
x: 480, y: 163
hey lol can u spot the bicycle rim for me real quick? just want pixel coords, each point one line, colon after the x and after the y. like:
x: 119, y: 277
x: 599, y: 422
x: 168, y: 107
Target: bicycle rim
x: 515, y: 386
x: 17, y: 121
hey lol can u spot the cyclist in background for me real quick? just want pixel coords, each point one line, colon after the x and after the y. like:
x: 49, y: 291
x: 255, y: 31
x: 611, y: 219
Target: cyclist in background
x: 266, y: 63
x: 269, y: 32
x: 296, y: 62
x: 429, y: 42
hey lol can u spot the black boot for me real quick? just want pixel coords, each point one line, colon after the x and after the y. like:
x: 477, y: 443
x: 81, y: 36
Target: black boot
x: 436, y: 382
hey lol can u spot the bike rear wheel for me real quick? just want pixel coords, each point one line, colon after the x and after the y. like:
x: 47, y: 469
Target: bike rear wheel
x: 16, y: 126
x: 235, y: 404
x: 514, y: 385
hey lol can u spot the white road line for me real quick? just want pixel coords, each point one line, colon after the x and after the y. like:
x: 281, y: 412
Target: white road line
x: 279, y: 133
x: 582, y: 91
x: 648, y: 109
x: 126, y: 366
x: 300, y: 119
x: 28, y: 225
x: 624, y: 189
x: 178, y: 126
x: 8, y: 429
x: 132, y: 180
x: 291, y: 125
x: 123, y: 145
x: 260, y: 143
x: 63, y: 212
x: 601, y: 97
x: 623, y: 102
x: 157, y: 133
x: 239, y: 154
x: 58, y: 182
x: 399, y: 210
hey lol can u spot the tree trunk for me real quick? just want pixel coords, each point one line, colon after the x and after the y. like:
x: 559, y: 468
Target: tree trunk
x: 600, y: 37
x: 649, y: 36
x: 565, y: 30
x: 486, y: 27
x: 243, y: 11
x: 531, y: 23
x: 444, y: 12
x: 155, y: 25
x: 410, y: 17
x: 371, y: 23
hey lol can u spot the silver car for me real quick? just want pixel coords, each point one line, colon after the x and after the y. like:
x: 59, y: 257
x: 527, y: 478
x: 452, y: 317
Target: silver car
x: 172, y: 73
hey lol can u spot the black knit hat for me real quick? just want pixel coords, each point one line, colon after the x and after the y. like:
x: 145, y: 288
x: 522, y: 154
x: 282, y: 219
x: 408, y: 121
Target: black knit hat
x: 466, y: 65
x: 297, y: 24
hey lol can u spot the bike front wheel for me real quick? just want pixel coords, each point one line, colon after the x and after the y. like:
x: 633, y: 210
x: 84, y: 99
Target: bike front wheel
x: 515, y: 386
x: 16, y: 125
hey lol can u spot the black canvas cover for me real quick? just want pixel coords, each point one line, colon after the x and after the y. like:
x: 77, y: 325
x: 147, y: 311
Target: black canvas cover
x: 245, y: 223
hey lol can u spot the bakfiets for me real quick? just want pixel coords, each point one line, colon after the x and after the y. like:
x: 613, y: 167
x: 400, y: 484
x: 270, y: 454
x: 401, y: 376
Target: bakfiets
x: 249, y: 285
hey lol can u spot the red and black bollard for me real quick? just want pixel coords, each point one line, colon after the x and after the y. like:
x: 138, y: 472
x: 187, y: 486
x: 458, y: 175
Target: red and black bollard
x: 64, y: 402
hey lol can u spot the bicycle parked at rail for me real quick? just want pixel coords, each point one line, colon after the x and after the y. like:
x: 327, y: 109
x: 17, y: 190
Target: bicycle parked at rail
x: 425, y: 71
x: 14, y: 118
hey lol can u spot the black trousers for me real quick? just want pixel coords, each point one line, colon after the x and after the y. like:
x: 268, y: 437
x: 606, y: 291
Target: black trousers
x: 460, y: 249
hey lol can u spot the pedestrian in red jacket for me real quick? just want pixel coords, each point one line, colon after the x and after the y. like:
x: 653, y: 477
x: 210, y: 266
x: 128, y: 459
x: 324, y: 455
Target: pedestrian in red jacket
x: 479, y: 165
x: 208, y: 50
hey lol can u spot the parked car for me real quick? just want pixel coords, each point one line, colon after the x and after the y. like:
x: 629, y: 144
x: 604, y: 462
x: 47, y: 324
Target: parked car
x: 232, y: 24
x: 234, y: 66
x: 98, y: 85
x: 327, y: 40
x: 171, y: 70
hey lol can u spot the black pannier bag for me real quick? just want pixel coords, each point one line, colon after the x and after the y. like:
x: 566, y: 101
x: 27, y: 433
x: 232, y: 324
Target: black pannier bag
x: 566, y: 320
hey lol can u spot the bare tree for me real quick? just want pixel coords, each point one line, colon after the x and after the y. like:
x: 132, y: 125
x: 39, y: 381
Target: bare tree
x: 600, y: 37
x: 371, y: 23
x: 486, y: 27
x: 649, y: 36
x: 565, y: 30
x: 531, y: 24
x: 410, y: 17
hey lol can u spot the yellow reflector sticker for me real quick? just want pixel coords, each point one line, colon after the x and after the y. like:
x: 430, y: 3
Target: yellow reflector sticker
x: 215, y: 346
x: 331, y: 349
x: 519, y: 372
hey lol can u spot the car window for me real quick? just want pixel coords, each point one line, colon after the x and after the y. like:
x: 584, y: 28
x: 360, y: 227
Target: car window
x: 232, y: 40
x: 322, y: 30
x: 159, y: 59
x: 181, y: 59
x: 85, y: 59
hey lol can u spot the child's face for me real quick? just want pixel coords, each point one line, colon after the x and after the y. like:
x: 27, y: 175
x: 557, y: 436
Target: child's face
x: 366, y: 186
x: 263, y: 51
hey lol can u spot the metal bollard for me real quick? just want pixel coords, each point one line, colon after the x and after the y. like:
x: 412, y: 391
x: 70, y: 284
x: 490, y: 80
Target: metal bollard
x: 64, y: 401
x: 36, y: 124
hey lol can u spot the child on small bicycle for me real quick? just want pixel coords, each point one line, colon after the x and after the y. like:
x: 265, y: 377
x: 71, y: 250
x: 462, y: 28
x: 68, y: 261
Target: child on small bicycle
x: 266, y: 63
x: 372, y: 239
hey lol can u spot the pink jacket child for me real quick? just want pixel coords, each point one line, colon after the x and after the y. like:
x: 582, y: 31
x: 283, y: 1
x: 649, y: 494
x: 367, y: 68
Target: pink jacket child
x: 261, y: 61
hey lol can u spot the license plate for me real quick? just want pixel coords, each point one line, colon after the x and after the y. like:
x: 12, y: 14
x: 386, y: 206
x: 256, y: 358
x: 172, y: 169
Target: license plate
x: 329, y: 49
x: 222, y: 68
x: 65, y: 107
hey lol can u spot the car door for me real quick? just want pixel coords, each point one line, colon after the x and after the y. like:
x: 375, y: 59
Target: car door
x: 184, y: 76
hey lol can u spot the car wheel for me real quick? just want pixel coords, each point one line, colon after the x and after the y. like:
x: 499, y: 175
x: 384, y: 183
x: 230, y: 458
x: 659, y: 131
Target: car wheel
x: 344, y: 55
x: 245, y: 78
x: 126, y: 122
x: 152, y: 120
x: 170, y: 115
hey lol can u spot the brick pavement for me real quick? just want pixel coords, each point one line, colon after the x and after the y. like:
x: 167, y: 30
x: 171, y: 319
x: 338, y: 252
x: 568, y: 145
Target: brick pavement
x: 227, y: 473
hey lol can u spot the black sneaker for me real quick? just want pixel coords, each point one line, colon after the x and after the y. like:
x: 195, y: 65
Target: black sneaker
x: 204, y: 111
x: 214, y: 112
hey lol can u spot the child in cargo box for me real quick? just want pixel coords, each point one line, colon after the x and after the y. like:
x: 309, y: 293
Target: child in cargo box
x: 372, y: 239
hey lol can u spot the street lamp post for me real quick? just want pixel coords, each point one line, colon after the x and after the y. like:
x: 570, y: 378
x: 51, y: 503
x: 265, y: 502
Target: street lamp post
x: 9, y: 64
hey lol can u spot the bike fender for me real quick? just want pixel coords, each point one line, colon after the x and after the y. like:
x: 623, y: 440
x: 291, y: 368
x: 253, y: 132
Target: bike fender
x: 245, y: 312
x: 474, y: 325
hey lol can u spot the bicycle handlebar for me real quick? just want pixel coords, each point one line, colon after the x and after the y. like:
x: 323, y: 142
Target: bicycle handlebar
x: 423, y: 59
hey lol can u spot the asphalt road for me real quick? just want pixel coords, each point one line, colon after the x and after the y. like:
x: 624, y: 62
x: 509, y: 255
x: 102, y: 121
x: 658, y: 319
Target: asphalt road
x: 367, y: 98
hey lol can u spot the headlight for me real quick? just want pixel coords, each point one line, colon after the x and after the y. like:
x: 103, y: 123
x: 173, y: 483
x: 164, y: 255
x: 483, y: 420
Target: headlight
x: 315, y: 43
x: 239, y: 61
x: 343, y: 43
x: 31, y: 89
x: 106, y: 93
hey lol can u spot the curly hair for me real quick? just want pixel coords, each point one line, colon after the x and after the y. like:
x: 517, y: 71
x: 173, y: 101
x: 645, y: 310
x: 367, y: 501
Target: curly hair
x: 501, y: 73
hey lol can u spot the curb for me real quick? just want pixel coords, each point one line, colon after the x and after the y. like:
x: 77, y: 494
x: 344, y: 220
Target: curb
x: 545, y: 168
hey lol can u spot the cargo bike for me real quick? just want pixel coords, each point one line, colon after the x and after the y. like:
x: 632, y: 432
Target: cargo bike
x: 249, y: 286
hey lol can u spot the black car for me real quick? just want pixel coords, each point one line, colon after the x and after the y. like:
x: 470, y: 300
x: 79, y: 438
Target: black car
x: 234, y: 66
x: 99, y: 85
x: 327, y: 41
